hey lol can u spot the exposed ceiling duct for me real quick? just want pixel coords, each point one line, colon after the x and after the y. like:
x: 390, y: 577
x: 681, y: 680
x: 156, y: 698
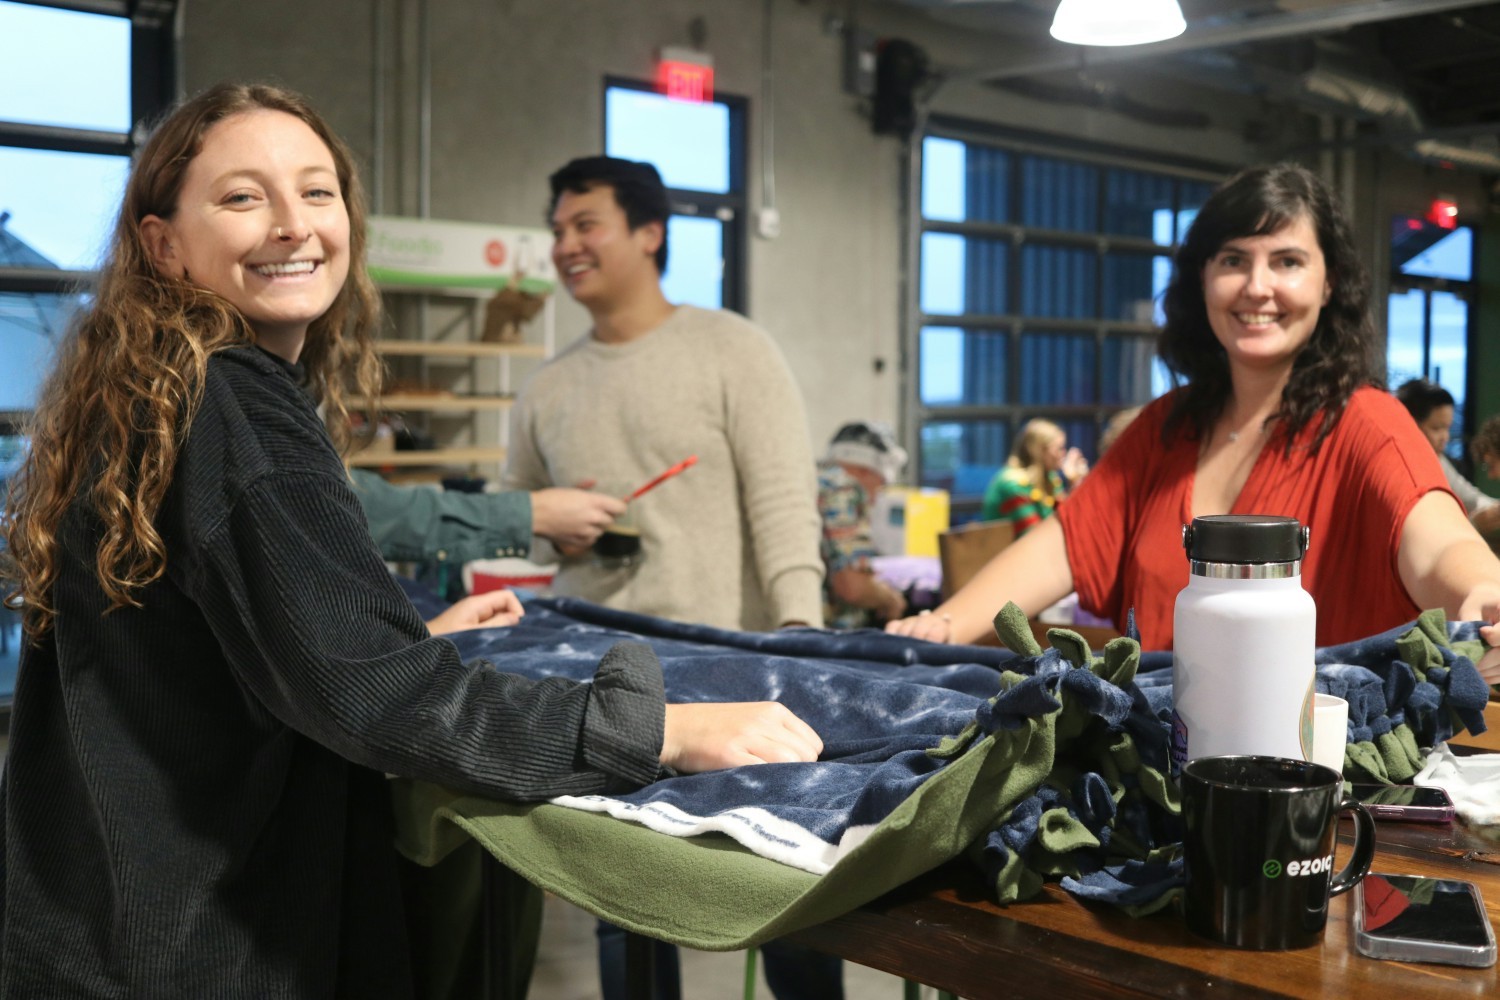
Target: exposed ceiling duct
x: 1107, y: 97
x: 1220, y: 32
x: 1355, y: 95
x: 1329, y: 81
x: 1465, y: 157
x: 1333, y: 84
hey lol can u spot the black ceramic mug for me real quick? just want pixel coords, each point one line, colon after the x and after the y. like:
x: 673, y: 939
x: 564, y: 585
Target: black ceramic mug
x: 619, y: 546
x: 1258, y: 835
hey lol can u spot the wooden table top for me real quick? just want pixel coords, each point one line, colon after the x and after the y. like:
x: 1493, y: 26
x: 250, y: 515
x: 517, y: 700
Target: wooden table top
x: 943, y: 931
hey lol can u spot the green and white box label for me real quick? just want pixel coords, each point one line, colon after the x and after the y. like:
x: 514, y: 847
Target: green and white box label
x: 436, y: 253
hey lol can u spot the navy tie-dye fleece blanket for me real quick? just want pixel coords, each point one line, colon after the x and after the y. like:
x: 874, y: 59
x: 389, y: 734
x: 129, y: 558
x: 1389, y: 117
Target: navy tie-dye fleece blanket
x: 1052, y: 764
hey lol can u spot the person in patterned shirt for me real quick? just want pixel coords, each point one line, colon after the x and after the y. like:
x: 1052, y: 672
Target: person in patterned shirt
x: 862, y: 458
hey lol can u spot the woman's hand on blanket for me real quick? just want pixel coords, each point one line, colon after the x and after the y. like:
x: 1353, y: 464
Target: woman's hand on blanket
x: 1483, y: 605
x: 1489, y: 663
x: 491, y: 609
x: 929, y: 626
x: 714, y: 735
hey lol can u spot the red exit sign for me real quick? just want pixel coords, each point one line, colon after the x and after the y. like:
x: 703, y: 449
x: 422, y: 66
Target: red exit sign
x: 685, y: 75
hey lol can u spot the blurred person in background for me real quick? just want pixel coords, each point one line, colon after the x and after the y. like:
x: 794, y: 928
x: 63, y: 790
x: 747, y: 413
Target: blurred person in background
x: 1431, y: 406
x: 1040, y: 472
x: 863, y: 458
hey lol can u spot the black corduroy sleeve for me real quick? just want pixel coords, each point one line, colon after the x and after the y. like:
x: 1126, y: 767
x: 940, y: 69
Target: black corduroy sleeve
x: 626, y: 712
x: 319, y: 634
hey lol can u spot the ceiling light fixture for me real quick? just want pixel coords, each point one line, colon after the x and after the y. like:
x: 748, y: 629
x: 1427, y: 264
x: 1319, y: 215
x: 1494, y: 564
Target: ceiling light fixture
x: 1117, y: 22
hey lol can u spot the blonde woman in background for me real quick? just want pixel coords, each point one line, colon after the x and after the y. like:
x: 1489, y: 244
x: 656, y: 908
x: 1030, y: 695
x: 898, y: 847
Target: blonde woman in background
x: 1040, y: 472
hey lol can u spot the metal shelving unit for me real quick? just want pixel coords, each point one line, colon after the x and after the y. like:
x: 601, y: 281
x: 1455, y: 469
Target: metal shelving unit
x: 463, y: 378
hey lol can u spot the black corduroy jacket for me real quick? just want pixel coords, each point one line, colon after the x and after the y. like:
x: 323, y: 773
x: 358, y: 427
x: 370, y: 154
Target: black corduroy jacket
x: 194, y: 800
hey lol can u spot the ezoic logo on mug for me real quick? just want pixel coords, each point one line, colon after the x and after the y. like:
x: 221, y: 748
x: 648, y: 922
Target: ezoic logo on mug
x: 1241, y: 817
x: 1299, y: 868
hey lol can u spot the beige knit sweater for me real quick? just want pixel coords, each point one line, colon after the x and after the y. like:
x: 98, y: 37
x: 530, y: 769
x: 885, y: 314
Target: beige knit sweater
x: 731, y: 542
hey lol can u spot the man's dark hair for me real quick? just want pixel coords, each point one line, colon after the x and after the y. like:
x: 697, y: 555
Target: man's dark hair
x: 638, y: 189
x: 1338, y: 358
x: 1421, y: 397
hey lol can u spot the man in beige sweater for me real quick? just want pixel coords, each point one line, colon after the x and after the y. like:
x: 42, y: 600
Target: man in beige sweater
x: 733, y: 541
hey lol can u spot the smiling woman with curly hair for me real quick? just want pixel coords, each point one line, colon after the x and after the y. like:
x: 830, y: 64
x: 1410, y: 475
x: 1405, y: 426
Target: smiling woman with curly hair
x: 129, y: 376
x: 219, y: 672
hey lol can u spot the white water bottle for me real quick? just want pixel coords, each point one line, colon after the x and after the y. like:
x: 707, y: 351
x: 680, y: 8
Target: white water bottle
x: 1244, y: 638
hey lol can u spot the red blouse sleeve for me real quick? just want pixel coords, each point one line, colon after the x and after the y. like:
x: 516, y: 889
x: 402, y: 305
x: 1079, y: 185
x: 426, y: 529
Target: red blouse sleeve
x: 1378, y: 465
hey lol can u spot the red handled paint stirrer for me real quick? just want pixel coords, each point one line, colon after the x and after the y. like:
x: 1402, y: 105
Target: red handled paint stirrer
x: 688, y: 462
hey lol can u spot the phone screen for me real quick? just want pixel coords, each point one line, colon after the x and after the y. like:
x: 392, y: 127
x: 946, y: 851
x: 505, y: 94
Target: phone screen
x: 1409, y: 803
x: 1423, y: 919
x: 1417, y: 796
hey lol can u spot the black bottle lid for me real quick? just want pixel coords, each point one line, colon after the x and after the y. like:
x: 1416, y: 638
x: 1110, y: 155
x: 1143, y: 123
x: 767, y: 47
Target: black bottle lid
x: 1244, y: 538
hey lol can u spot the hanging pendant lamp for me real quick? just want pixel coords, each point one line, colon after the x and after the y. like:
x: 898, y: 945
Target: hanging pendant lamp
x: 1117, y: 22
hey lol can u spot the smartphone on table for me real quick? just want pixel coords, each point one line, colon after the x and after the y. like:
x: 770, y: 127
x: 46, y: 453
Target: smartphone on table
x: 1410, y: 918
x: 1412, y: 803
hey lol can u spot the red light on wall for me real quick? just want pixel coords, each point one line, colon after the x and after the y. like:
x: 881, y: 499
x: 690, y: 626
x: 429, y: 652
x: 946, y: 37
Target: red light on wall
x: 1443, y: 212
x: 684, y: 75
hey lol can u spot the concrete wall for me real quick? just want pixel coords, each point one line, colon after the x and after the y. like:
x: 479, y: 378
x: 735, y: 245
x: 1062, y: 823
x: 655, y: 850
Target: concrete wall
x: 517, y: 89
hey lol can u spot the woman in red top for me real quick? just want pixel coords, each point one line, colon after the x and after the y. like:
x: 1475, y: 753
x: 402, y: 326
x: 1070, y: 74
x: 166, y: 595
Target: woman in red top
x: 1268, y: 325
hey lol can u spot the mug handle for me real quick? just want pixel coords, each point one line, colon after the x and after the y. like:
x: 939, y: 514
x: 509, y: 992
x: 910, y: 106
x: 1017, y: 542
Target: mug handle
x: 1364, y: 847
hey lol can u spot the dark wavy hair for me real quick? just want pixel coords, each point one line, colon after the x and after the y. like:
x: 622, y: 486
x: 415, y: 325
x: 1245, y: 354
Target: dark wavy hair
x: 638, y: 188
x: 1340, y: 355
x: 1421, y: 397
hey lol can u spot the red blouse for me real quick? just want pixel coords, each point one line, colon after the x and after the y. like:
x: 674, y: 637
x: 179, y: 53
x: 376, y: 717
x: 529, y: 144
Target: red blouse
x: 1123, y: 525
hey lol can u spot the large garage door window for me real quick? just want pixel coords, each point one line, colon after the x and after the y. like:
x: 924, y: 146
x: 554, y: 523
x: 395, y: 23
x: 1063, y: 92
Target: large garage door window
x: 1037, y: 288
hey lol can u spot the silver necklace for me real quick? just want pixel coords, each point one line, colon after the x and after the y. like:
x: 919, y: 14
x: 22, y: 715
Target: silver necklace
x: 1235, y: 435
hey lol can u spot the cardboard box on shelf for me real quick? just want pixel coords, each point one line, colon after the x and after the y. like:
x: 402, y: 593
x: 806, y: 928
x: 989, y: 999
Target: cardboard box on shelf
x: 434, y: 253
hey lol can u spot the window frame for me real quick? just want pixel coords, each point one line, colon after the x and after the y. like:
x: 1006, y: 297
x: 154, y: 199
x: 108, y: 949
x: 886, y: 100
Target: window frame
x: 154, y: 73
x: 915, y: 414
x: 730, y: 208
x: 1400, y: 283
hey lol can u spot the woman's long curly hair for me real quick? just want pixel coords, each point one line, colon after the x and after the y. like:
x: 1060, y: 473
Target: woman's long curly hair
x: 130, y: 373
x: 1338, y: 358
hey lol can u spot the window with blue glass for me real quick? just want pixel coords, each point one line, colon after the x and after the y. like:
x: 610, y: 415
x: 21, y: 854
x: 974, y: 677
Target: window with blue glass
x: 699, y: 149
x: 1038, y: 288
x: 1427, y: 314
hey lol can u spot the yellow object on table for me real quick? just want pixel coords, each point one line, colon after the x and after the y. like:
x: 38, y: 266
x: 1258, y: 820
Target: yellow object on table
x: 907, y: 520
